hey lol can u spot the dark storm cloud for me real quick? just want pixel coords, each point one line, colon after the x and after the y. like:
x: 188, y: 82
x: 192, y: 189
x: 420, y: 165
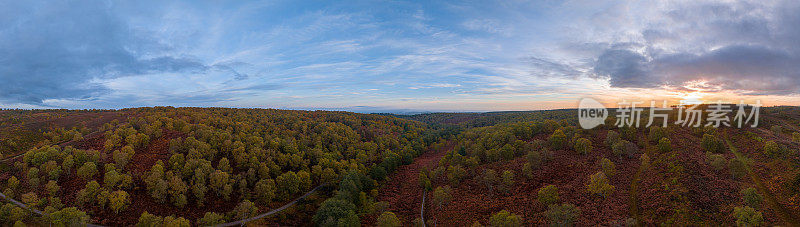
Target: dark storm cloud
x: 745, y: 47
x: 55, y: 50
x: 747, y: 68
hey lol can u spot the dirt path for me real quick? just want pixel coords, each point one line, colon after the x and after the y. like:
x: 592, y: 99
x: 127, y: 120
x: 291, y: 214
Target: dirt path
x: 401, y: 189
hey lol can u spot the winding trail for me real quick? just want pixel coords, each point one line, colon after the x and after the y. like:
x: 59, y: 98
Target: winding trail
x: 260, y: 216
x: 35, y: 211
x: 401, y: 189
x: 235, y: 223
x: 770, y: 198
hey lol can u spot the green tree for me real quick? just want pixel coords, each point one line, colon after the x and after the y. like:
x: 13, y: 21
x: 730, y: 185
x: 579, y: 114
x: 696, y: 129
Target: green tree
x: 562, y: 215
x: 52, y: 187
x: 442, y: 196
x: 751, y: 197
x: 265, y: 190
x: 224, y: 165
x: 149, y: 220
x: 245, y: 209
x: 598, y: 185
x: 747, y: 216
x: 505, y: 219
x: 388, y: 219
x: 13, y: 183
x: 583, y: 146
x: 219, y: 180
x: 612, y: 137
x: 558, y: 140
x: 488, y: 178
x: 737, y: 168
x: 624, y: 148
x: 336, y: 212
x: 173, y: 221
x: 507, y: 179
x: 657, y: 133
x: 535, y: 159
x: 548, y: 195
x: 69, y: 216
x: 711, y: 143
x: 88, y: 170
x: 664, y: 145
x: 772, y: 149
x: 609, y: 169
x: 288, y: 184
x: 211, y: 219
x: 455, y: 174
x: 118, y: 201
x: 424, y: 181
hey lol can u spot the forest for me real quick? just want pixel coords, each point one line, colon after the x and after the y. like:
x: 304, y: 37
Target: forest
x: 165, y: 166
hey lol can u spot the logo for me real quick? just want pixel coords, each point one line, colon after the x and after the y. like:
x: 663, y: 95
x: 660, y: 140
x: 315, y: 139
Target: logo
x: 591, y: 113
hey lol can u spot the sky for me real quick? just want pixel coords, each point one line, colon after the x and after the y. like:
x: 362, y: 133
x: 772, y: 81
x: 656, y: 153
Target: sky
x: 373, y: 56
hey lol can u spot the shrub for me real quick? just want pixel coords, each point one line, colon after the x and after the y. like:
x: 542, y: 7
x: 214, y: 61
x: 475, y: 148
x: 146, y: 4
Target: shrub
x: 562, y: 215
x: 609, y: 169
x: 737, y: 168
x: 711, y: 143
x: 548, y: 195
x: 488, y: 178
x: 624, y: 148
x: 180, y: 200
x: 527, y: 170
x: 717, y: 161
x: 612, y: 137
x: 211, y: 219
x: 645, y: 161
x: 776, y: 129
x: 796, y: 137
x: 772, y: 149
x: 751, y: 197
x: 664, y: 145
x: 598, y: 185
x: 583, y: 146
x: 656, y: 134
x: 534, y: 159
x: 505, y: 219
x: 747, y: 216
x: 388, y: 219
x: 87, y: 171
x: 508, y: 179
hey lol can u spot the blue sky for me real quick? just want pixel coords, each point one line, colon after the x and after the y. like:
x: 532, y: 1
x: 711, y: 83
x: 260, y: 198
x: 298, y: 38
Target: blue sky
x: 393, y: 55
